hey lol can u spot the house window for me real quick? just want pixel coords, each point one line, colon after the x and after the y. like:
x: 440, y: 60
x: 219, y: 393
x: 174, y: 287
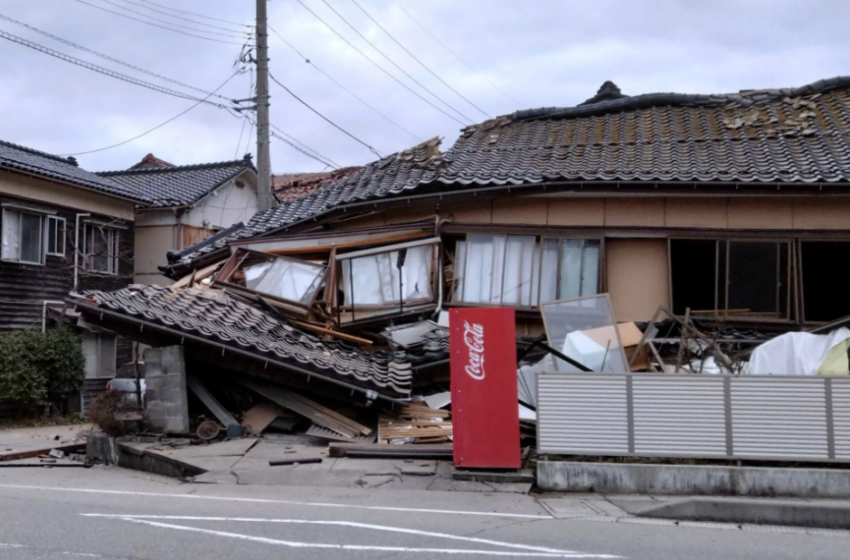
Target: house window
x: 737, y: 278
x: 389, y: 278
x: 100, y: 245
x: 823, y: 283
x: 55, y: 236
x: 22, y: 236
x: 524, y: 271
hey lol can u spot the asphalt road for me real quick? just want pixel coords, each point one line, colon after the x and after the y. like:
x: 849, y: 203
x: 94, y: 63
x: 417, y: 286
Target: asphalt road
x: 112, y: 513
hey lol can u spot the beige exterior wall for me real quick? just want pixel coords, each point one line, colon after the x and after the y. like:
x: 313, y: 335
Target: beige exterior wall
x: 39, y: 190
x: 637, y: 277
x: 152, y: 244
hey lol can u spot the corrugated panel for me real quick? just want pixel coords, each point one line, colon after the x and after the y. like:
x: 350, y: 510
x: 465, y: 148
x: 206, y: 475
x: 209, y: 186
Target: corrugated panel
x: 841, y: 417
x: 582, y: 413
x: 679, y: 415
x: 779, y: 417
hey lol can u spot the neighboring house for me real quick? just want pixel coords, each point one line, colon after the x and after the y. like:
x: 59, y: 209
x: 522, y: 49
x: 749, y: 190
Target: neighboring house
x: 736, y: 206
x: 290, y: 186
x: 63, y: 229
x: 185, y: 204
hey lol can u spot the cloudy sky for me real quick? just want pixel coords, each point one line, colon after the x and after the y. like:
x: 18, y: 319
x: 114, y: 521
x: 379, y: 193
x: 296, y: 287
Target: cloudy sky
x: 500, y: 55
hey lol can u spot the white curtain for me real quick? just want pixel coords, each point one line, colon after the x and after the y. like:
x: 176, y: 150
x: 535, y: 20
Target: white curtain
x: 289, y: 279
x: 376, y: 279
x: 11, y: 235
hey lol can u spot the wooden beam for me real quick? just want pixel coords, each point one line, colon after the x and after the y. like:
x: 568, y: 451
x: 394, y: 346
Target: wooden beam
x: 352, y: 244
x: 14, y: 455
x: 331, y: 332
x: 221, y: 413
x: 195, y: 276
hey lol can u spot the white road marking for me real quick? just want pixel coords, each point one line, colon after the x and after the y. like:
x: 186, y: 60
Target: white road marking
x: 397, y: 549
x: 9, y: 545
x: 83, y: 554
x: 338, y: 523
x: 268, y: 501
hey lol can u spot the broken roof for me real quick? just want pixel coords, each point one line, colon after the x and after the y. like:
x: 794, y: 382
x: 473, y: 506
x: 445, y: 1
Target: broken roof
x: 165, y: 187
x: 28, y: 160
x: 150, y: 161
x: 799, y: 136
x: 291, y: 186
x: 213, y: 315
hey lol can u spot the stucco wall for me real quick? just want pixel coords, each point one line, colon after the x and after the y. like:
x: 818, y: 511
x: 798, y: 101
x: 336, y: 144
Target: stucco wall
x: 152, y: 244
x: 226, y: 206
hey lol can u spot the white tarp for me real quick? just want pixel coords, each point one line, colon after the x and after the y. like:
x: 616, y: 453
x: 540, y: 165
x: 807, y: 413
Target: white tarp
x: 800, y: 353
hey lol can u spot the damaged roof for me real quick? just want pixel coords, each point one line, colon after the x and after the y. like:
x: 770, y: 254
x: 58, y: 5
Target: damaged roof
x: 165, y: 187
x: 215, y: 316
x: 28, y: 160
x: 150, y: 161
x: 291, y: 186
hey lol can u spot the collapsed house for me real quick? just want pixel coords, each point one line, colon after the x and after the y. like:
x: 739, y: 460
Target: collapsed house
x: 731, y: 209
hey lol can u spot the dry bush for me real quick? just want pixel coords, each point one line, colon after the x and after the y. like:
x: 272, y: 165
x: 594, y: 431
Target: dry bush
x: 104, y: 409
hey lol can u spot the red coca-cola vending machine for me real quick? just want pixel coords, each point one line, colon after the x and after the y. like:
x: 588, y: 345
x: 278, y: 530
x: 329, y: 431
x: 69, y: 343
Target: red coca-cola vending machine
x: 485, y: 409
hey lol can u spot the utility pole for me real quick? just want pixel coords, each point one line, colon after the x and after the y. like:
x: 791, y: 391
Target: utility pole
x: 264, y: 186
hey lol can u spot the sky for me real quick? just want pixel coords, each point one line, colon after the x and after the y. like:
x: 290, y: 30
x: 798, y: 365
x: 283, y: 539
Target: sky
x: 466, y: 61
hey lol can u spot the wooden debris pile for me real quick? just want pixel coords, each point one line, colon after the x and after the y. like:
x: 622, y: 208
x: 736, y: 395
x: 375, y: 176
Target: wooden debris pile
x: 415, y: 423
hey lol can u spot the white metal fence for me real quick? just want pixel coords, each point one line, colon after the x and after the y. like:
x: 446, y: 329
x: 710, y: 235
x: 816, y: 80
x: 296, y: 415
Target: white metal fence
x: 698, y: 416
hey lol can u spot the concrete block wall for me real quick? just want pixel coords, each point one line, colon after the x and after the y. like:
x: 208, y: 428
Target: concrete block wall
x: 167, y: 399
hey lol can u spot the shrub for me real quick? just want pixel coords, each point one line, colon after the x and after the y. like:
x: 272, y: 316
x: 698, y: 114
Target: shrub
x: 36, y: 367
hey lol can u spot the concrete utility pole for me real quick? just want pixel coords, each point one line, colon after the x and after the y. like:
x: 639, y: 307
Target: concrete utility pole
x: 264, y: 187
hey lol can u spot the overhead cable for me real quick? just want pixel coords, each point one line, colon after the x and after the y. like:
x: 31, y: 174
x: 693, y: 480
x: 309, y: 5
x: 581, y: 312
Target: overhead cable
x: 105, y: 71
x: 371, y: 149
x: 305, y: 152
x: 231, y: 33
x: 195, y: 14
x: 381, y: 68
x: 175, y: 117
x: 157, y: 25
x: 345, y: 89
x: 306, y: 147
x: 101, y: 55
x: 391, y: 61
x: 195, y: 21
x: 422, y: 64
x: 457, y: 56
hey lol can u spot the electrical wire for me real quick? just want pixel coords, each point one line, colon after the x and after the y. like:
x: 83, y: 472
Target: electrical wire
x: 195, y: 14
x: 391, y: 61
x: 157, y: 25
x: 289, y: 91
x: 196, y: 22
x: 345, y: 89
x: 105, y: 71
x: 105, y: 57
x: 378, y: 66
x: 305, y: 152
x: 245, y: 120
x: 457, y: 56
x: 304, y: 146
x: 175, y: 117
x: 422, y: 64
x: 231, y: 34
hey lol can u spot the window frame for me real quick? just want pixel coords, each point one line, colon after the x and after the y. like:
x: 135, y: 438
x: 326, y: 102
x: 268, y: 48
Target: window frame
x: 113, y: 242
x: 61, y: 225
x: 22, y: 210
x: 537, y: 264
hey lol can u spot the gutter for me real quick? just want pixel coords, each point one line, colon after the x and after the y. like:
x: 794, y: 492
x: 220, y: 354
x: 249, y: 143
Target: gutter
x: 371, y: 394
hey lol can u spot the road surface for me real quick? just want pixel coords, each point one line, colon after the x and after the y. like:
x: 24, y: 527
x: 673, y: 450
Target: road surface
x: 112, y: 513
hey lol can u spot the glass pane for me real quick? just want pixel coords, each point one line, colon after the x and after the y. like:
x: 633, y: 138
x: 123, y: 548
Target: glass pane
x: 498, y: 270
x: 590, y: 268
x: 585, y: 330
x: 753, y: 277
x: 549, y: 272
x: 478, y: 269
x: 31, y: 234
x: 517, y: 271
x: 571, y: 259
x: 290, y: 279
x: 378, y: 281
x: 11, y: 235
x: 254, y: 273
x: 460, y: 264
x: 52, y: 226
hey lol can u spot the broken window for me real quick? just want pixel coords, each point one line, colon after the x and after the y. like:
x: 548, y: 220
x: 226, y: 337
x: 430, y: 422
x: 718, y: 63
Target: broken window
x: 22, y: 236
x: 524, y: 271
x: 731, y: 277
x: 101, y: 244
x: 283, y: 278
x: 823, y: 281
x: 390, y: 277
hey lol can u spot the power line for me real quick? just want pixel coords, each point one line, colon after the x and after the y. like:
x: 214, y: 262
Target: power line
x: 232, y: 33
x: 422, y: 64
x: 378, y: 66
x: 373, y: 150
x: 180, y: 17
x: 305, y: 152
x: 101, y: 55
x: 245, y: 120
x: 348, y: 91
x: 175, y: 117
x: 196, y: 14
x: 306, y: 147
x: 157, y: 25
x: 104, y: 71
x: 457, y: 56
x: 391, y: 61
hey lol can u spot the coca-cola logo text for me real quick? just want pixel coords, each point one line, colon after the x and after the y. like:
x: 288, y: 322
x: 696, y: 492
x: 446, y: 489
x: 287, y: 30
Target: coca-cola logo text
x: 473, y: 337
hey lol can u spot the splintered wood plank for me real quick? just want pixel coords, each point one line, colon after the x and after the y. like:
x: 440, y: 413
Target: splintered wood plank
x: 259, y: 417
x: 16, y: 454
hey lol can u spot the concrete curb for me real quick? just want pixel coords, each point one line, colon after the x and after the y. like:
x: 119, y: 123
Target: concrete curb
x: 613, y: 478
